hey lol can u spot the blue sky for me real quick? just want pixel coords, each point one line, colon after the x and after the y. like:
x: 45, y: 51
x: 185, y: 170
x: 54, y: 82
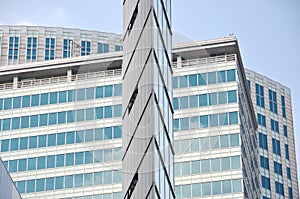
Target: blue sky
x: 268, y: 31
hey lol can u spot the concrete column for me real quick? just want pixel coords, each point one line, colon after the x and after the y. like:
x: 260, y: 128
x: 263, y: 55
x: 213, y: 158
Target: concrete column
x: 179, y: 62
x: 69, y: 75
x: 15, y: 82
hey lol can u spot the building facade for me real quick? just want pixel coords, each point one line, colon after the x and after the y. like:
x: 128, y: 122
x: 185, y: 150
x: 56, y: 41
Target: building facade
x: 147, y: 100
x: 272, y: 102
x: 61, y: 126
x: 23, y: 44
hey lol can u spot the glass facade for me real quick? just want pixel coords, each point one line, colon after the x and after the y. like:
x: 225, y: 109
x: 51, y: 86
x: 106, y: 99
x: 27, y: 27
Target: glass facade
x: 50, y: 48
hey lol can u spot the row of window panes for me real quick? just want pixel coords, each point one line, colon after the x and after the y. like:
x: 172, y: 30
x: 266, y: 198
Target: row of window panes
x: 13, y: 51
x: 210, y: 99
x: 264, y: 162
x: 260, y: 100
x: 279, y: 188
x: 283, y: 106
x: 31, y: 49
x: 60, y: 117
x: 276, y: 146
x: 261, y: 120
x: 205, y: 166
x: 64, y: 160
x: 273, y: 101
x: 61, y: 97
x: 88, y: 135
x: 70, y: 181
x: 274, y: 125
x: 206, y: 121
x: 115, y: 195
x: 204, y: 79
x: 265, y: 182
x: 206, y: 143
x: 208, y: 188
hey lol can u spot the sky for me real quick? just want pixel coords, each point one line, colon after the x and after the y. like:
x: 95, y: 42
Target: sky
x: 268, y: 31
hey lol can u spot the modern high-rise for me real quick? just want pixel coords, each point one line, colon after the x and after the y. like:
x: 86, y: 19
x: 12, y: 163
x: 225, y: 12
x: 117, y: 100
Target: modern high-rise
x: 147, y: 163
x: 61, y: 126
x: 272, y: 102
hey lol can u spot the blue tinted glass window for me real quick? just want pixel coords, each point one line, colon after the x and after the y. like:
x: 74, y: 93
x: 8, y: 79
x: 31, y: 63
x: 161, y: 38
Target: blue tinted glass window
x: 81, y: 94
x: 107, y: 112
x: 14, y: 144
x: 222, y: 97
x: 60, y: 160
x: 70, y: 159
x: 50, y: 161
x: 221, y: 76
x: 107, y: 177
x: 88, y: 157
x: 216, y: 187
x: 215, y: 164
x: 193, y: 101
x: 225, y: 162
x: 52, y: 118
x: 205, y: 166
x: 32, y: 164
x: 7, y: 103
x: 79, y: 115
x: 98, y: 134
x: 71, y: 95
x: 89, y: 135
x: 226, y: 186
x: 108, y: 133
x: 223, y: 119
x: 224, y: 141
x: 70, y: 116
x: 69, y: 182
x: 16, y: 102
x: 49, y: 183
x: 99, y: 113
x: 41, y: 163
x: 213, y: 120
x: 234, y: 140
x: 61, y: 137
x: 204, y: 121
x: 53, y: 98
x: 33, y: 142
x: 22, y: 165
x: 79, y: 158
x: 62, y: 96
x: 186, y: 191
x: 203, y: 100
x: 88, y: 179
x: 107, y: 155
x: 184, y: 124
x: 212, y: 78
x: 1, y: 104
x: 23, y: 143
x: 15, y: 123
x: 12, y: 166
x: 35, y: 100
x: 51, y: 139
x: 34, y: 121
x: 99, y: 92
x: 233, y: 118
x: 78, y: 180
x: 117, y: 110
x: 183, y: 81
x: 237, y: 185
x: 59, y: 182
x: 117, y: 89
x: 176, y: 124
x: 21, y: 186
x: 90, y: 93
x: 43, y: 120
x: 79, y: 136
x: 108, y: 91
x: 193, y: 80
x: 25, y: 101
x: 117, y: 132
x: 194, y: 123
x: 42, y: 140
x: 175, y: 104
x: 6, y: 124
x: 231, y: 75
x: 175, y: 82
x: 206, y: 189
x: 70, y: 138
x: 25, y: 122
x: 44, y: 98
x: 202, y: 79
x: 213, y: 100
x: 183, y: 102
x: 4, y: 145
x: 97, y: 178
x: 30, y: 186
x: 232, y: 97
x: 61, y: 117
x: 40, y: 185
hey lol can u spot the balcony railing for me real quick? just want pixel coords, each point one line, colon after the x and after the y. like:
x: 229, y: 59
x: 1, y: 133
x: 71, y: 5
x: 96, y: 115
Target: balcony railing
x: 206, y: 60
x: 61, y: 79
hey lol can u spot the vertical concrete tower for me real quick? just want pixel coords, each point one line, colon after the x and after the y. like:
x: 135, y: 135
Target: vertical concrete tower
x: 147, y: 100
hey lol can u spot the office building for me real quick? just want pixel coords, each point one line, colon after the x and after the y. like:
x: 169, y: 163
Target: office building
x: 272, y: 102
x: 147, y: 162
x: 7, y: 186
x: 24, y: 44
x: 61, y: 126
